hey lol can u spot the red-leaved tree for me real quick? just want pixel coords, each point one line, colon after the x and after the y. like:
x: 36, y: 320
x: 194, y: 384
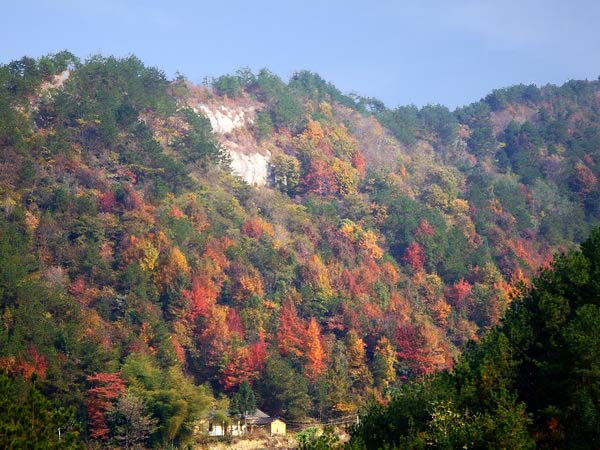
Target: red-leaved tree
x: 105, y: 389
x: 291, y: 331
x: 414, y: 256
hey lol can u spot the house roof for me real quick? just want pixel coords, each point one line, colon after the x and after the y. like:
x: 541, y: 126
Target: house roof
x: 256, y: 415
x: 259, y: 417
x: 265, y: 421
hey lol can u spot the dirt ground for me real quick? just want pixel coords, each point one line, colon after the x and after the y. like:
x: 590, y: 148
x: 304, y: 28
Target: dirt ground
x: 266, y: 443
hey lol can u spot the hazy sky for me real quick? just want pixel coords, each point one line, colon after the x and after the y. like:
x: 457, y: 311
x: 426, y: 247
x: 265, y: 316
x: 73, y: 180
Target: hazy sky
x: 449, y: 52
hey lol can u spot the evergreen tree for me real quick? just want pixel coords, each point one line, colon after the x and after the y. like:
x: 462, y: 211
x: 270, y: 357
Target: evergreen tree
x: 29, y: 420
x: 243, y: 401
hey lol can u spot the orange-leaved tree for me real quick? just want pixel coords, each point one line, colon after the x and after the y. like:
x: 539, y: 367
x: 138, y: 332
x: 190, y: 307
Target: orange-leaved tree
x: 414, y: 256
x: 105, y: 389
x: 315, y: 354
x: 291, y: 331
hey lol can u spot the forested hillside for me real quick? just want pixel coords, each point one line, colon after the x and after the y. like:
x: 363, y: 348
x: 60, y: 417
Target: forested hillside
x: 532, y: 382
x: 143, y: 279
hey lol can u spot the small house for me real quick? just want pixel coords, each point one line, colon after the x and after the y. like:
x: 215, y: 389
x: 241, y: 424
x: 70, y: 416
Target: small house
x: 216, y: 428
x: 250, y: 422
x: 218, y: 423
x: 260, y: 420
x: 277, y: 426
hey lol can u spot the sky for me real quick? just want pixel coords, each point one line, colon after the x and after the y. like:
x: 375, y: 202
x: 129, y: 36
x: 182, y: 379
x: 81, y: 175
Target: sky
x: 451, y: 52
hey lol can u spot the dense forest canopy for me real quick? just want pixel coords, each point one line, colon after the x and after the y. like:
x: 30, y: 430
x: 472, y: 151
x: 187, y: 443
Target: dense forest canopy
x: 532, y: 382
x: 143, y: 282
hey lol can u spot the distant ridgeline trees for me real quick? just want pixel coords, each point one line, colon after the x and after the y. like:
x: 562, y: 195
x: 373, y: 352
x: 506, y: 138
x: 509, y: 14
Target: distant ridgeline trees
x: 409, y: 123
x: 532, y: 382
x: 284, y: 107
x: 146, y: 289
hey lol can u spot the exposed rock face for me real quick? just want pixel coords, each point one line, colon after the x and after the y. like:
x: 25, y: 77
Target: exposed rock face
x: 248, y: 160
x: 56, y: 82
x: 47, y: 88
x: 518, y: 113
x: 225, y: 120
x: 252, y: 167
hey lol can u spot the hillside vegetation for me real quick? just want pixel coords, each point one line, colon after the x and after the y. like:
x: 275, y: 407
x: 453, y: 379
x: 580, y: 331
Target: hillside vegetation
x: 532, y: 382
x: 142, y: 280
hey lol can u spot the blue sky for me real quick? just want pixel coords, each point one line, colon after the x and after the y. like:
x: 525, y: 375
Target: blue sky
x: 449, y: 52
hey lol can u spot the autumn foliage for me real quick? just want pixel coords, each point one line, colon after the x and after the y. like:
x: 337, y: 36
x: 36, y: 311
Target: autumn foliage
x: 315, y: 355
x: 104, y: 390
x: 290, y: 336
x: 414, y: 256
x: 382, y: 241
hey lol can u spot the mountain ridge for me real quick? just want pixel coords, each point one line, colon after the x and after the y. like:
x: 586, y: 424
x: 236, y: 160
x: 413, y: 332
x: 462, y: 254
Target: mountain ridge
x: 374, y: 245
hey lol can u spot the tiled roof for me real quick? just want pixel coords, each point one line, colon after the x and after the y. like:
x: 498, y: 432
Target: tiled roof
x: 256, y: 415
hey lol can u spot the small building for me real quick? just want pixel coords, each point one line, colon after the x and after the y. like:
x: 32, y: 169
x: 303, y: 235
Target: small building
x: 219, y: 423
x: 260, y: 420
x: 216, y: 428
x: 276, y: 426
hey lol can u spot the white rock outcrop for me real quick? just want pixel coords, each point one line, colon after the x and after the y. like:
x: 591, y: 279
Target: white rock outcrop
x: 224, y: 120
x: 56, y: 81
x: 253, y: 167
x: 248, y: 162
